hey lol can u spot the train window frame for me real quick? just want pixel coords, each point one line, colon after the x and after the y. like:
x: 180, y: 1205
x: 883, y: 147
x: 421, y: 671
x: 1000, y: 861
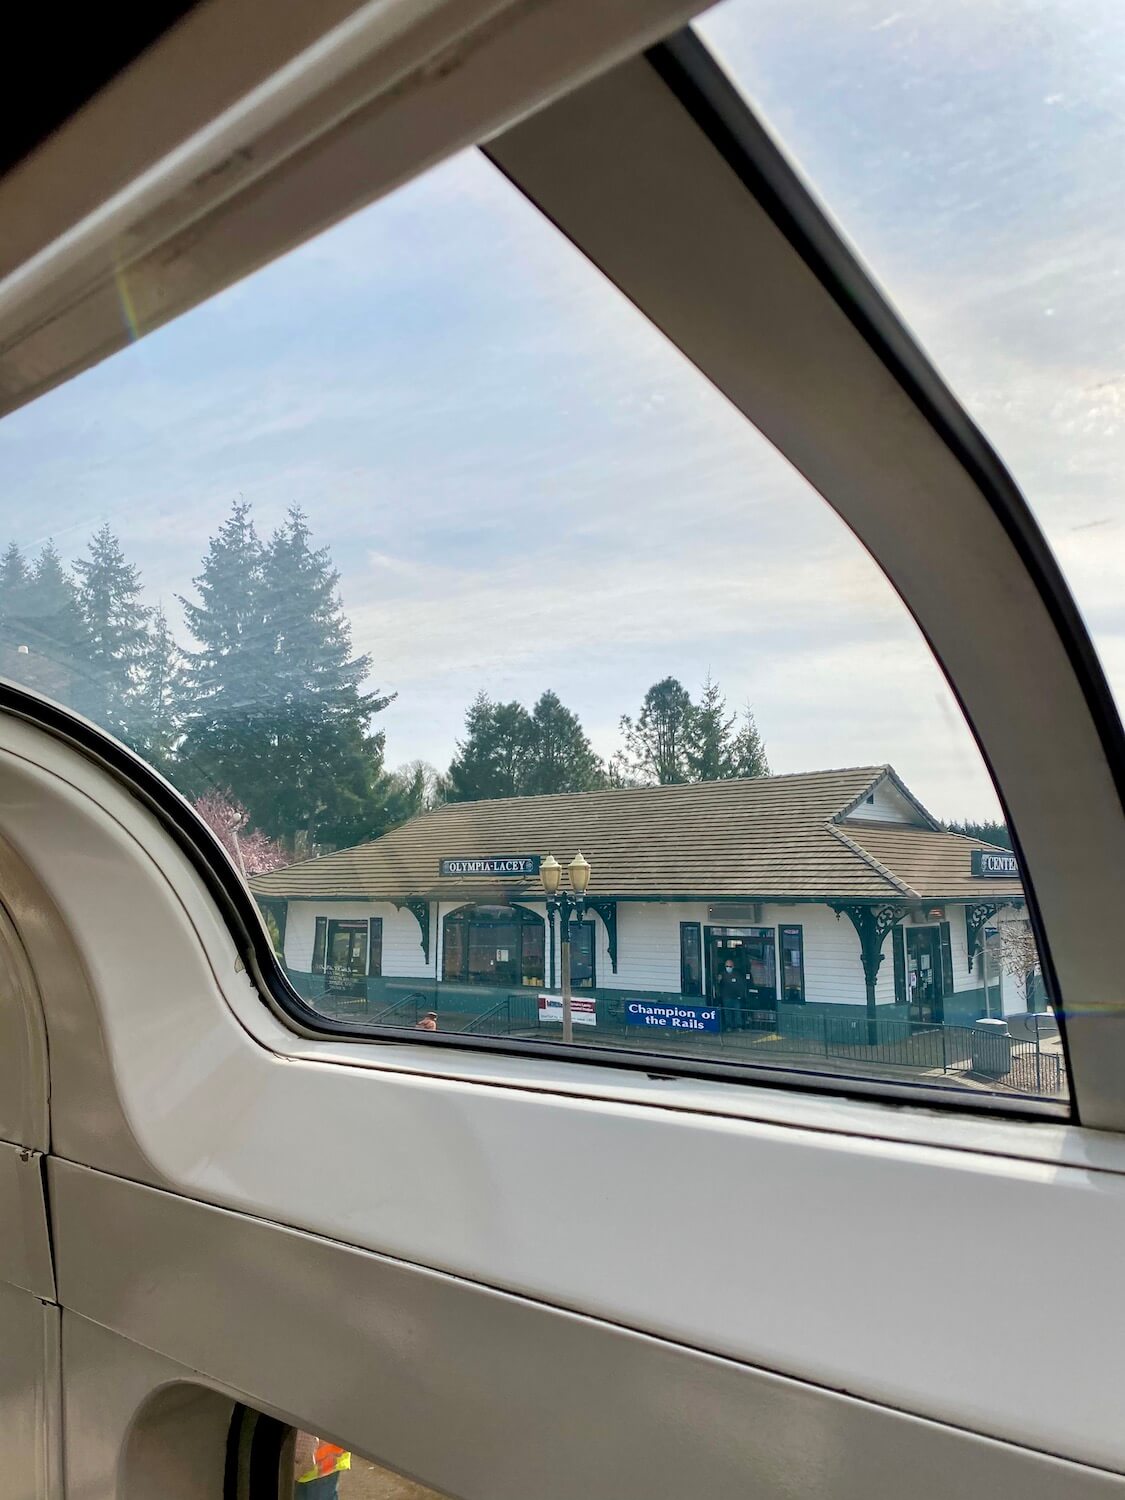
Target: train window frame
x: 677, y: 88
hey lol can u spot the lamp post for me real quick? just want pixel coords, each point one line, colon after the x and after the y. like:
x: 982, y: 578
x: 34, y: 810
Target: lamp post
x: 567, y: 906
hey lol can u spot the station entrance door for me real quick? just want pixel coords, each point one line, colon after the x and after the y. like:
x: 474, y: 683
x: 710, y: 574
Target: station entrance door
x: 753, y: 951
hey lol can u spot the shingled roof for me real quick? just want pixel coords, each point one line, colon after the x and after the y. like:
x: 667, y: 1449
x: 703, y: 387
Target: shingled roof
x: 777, y: 838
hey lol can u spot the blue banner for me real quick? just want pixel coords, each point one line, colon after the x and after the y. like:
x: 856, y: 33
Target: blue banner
x: 671, y: 1017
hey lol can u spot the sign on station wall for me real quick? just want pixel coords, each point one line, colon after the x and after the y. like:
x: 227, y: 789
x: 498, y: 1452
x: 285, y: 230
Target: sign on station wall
x: 995, y: 863
x: 520, y: 865
x: 671, y: 1017
x: 583, y: 1012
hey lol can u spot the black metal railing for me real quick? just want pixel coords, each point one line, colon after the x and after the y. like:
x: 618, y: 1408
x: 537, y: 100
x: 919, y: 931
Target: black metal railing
x: 513, y: 1013
x: 1027, y: 1063
x: 404, y: 1012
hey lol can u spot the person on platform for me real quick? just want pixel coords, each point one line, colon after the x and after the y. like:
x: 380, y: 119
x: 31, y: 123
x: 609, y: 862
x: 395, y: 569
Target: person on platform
x: 318, y: 1466
x: 730, y: 990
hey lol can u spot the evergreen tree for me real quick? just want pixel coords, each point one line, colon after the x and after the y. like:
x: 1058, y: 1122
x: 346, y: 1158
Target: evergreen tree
x: 276, y: 715
x: 989, y: 831
x: 415, y: 788
x: 226, y: 720
x: 619, y: 771
x: 710, y: 742
x: 51, y: 628
x: 494, y: 758
x: 329, y: 773
x: 748, y: 749
x: 560, y: 758
x: 15, y: 582
x: 114, y: 620
x: 158, y: 705
x: 657, y: 742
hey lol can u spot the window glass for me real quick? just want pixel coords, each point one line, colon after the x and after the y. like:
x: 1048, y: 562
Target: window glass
x: 375, y: 946
x: 691, y: 959
x: 792, y: 965
x: 971, y: 150
x: 323, y: 1470
x: 472, y: 619
x: 346, y: 957
x: 582, y: 971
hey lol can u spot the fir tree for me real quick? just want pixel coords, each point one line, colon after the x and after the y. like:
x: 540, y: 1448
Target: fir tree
x: 51, y: 628
x: 114, y: 621
x: 158, y: 706
x: 494, y: 758
x: 225, y: 738
x: 988, y: 830
x: 708, y: 751
x: 657, y: 742
x: 276, y: 714
x: 560, y: 758
x: 328, y: 772
x: 15, y: 582
x: 748, y: 750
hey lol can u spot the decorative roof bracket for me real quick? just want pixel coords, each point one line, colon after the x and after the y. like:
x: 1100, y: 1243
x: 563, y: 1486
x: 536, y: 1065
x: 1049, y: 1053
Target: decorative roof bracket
x: 607, y: 910
x: 420, y: 910
x: 976, y: 916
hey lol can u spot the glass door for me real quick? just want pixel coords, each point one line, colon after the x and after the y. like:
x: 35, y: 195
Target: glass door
x: 747, y: 990
x: 923, y: 974
x: 345, y: 968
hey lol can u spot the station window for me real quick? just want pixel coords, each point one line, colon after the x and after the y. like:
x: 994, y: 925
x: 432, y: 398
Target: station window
x: 691, y: 959
x: 792, y: 941
x: 583, y: 968
x: 499, y: 945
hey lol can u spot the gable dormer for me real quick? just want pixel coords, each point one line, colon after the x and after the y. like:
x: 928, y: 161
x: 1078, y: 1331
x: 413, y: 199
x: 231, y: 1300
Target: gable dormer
x: 888, y: 801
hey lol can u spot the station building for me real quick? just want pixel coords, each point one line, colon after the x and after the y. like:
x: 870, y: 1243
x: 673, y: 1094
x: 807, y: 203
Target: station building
x: 826, y: 889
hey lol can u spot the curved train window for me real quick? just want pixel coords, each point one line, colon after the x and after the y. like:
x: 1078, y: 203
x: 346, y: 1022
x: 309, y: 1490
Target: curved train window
x: 324, y: 1470
x: 538, y: 700
x: 268, y: 1460
x: 984, y: 213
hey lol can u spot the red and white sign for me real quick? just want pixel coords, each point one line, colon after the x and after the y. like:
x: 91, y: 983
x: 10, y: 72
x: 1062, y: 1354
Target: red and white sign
x: 583, y: 1012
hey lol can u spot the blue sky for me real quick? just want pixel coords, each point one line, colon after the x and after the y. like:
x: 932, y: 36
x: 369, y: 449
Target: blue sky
x: 524, y: 486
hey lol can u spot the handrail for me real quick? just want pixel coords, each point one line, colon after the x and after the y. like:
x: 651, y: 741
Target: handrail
x: 502, y: 1006
x: 410, y: 999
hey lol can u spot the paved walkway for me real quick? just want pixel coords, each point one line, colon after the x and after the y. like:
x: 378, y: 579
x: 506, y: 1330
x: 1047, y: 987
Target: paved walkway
x: 367, y: 1481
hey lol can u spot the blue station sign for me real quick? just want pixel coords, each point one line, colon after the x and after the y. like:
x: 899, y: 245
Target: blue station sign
x: 519, y: 866
x: 671, y: 1017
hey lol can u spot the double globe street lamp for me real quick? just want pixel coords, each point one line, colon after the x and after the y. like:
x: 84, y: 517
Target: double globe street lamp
x: 568, y: 907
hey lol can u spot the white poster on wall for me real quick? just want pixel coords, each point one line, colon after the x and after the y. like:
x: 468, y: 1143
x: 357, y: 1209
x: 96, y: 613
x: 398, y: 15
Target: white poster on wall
x: 583, y: 1012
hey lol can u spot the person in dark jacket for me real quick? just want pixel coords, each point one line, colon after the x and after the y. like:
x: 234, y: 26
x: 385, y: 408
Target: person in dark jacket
x: 730, y: 991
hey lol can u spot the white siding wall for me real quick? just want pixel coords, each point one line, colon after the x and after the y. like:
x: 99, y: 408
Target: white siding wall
x: 402, y: 937
x: 887, y: 805
x: 1013, y: 994
x: 648, y: 946
x: 959, y: 944
x: 833, y: 967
